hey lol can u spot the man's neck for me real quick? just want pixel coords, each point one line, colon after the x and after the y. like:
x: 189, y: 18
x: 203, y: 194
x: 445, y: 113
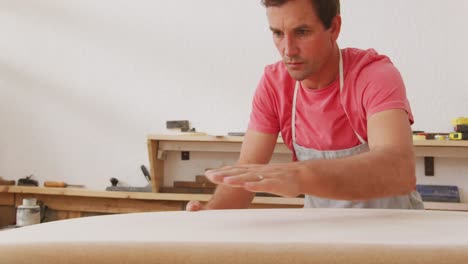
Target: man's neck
x: 327, y: 74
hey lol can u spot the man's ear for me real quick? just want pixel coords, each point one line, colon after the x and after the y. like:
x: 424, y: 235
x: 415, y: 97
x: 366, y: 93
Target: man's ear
x: 335, y: 27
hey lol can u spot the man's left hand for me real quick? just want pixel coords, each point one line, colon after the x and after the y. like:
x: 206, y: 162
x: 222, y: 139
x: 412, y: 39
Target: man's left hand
x: 279, y: 179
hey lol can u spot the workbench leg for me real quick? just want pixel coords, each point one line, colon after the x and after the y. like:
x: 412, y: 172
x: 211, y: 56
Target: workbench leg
x: 156, y: 165
x: 7, y: 216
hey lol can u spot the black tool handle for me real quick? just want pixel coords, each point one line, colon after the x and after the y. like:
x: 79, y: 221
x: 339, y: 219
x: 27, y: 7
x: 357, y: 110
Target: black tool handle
x: 145, y: 172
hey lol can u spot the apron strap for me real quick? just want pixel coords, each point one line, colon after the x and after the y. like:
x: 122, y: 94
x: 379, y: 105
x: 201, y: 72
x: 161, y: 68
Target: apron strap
x: 341, y: 90
x: 293, y: 117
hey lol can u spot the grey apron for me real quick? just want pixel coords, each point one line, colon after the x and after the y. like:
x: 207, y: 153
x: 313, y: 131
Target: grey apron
x: 410, y: 201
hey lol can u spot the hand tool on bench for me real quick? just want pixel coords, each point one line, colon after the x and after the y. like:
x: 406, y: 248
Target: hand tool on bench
x: 147, y: 188
x: 59, y: 184
x: 27, y: 181
x: 146, y: 173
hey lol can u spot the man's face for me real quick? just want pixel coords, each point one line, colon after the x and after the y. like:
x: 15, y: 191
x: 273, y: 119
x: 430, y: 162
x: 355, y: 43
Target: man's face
x: 300, y: 37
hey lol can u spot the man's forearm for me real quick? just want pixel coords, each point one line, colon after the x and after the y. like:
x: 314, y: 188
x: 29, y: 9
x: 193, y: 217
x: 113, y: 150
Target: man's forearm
x: 366, y: 176
x: 226, y: 197
x: 257, y: 148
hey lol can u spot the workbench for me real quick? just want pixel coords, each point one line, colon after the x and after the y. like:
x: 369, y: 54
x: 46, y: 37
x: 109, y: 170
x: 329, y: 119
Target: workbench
x: 65, y: 203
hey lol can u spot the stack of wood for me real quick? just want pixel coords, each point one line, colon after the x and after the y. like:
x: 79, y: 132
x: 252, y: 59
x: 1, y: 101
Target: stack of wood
x: 200, y: 185
x: 7, y: 182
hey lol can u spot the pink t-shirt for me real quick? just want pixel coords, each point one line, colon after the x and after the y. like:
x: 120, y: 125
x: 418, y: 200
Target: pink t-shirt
x: 371, y: 84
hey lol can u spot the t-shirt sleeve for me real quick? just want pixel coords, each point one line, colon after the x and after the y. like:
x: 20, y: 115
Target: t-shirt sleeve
x: 384, y: 89
x: 264, y: 116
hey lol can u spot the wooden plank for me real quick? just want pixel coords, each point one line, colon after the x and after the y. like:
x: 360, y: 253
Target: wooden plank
x: 7, y: 199
x: 7, y: 182
x: 187, y: 190
x: 188, y: 184
x: 201, y: 178
x: 103, y: 205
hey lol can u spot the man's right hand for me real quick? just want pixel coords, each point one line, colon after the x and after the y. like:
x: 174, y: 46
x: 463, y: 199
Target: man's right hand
x: 194, y: 206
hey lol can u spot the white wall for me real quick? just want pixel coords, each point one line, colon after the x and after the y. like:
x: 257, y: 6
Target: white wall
x: 83, y: 82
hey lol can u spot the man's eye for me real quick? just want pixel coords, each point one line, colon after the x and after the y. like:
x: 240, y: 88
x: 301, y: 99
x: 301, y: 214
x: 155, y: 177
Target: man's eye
x: 302, y: 32
x: 277, y: 34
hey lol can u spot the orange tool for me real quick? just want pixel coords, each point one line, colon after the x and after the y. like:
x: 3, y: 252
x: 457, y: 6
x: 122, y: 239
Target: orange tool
x: 60, y: 184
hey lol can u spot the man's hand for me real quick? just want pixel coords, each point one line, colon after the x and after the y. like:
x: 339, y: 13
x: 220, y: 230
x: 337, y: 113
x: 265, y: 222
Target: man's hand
x: 279, y: 179
x: 194, y: 206
x: 257, y: 148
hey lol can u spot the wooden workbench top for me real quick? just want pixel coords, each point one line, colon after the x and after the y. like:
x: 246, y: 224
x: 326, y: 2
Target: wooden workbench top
x: 137, y: 195
x: 183, y: 197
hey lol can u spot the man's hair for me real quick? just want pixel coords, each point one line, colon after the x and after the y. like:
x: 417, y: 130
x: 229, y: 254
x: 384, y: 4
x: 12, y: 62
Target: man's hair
x: 326, y: 9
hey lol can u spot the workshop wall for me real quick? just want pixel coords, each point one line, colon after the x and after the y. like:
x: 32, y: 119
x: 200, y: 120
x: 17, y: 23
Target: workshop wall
x: 83, y: 82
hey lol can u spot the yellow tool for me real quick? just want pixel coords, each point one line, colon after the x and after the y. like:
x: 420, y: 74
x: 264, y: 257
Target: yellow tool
x: 419, y: 137
x: 441, y: 137
x: 458, y: 136
x: 60, y: 184
x: 460, y: 121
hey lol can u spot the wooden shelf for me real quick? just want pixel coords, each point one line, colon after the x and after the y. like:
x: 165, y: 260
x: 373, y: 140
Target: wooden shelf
x: 187, y: 138
x: 442, y: 149
x: 422, y: 148
x: 159, y: 145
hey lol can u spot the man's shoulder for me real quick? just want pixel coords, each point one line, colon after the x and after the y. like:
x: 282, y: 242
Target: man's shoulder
x: 358, y: 60
x: 368, y: 66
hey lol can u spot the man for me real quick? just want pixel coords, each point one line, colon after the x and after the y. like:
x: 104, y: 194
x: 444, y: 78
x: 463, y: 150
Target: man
x: 343, y: 113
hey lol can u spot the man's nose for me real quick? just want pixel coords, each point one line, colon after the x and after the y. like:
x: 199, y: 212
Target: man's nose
x: 290, y: 47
